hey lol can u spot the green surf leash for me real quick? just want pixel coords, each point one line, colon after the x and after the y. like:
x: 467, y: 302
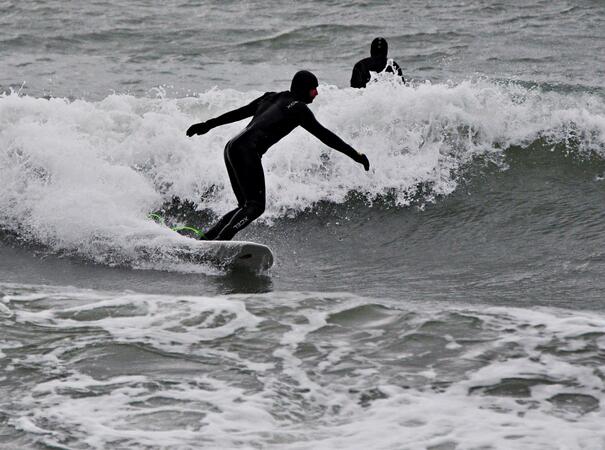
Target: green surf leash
x: 199, y: 233
x: 156, y: 218
x: 159, y: 219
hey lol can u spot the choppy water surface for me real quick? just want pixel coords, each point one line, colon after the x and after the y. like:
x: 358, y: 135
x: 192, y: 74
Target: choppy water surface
x: 294, y: 370
x: 92, y: 49
x: 451, y: 298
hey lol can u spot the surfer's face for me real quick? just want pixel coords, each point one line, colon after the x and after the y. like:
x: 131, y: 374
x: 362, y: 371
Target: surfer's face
x: 312, y: 94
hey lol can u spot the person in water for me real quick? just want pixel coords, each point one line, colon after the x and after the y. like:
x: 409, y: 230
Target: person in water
x: 274, y: 115
x: 377, y: 62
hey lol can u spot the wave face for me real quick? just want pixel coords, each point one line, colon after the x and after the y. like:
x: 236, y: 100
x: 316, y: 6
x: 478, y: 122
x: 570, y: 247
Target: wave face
x: 80, y: 177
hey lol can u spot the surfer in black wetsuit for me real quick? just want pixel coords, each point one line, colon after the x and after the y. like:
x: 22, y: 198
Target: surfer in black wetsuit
x: 275, y: 114
x: 377, y: 62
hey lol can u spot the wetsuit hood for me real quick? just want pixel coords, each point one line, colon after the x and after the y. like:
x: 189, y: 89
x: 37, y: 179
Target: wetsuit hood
x: 379, y: 48
x: 302, y: 83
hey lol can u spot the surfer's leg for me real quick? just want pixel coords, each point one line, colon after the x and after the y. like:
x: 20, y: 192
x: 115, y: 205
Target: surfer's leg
x: 233, y: 178
x: 246, y: 167
x: 213, y: 232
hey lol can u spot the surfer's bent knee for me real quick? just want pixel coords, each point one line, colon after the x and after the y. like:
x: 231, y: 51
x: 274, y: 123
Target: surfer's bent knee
x: 255, y: 208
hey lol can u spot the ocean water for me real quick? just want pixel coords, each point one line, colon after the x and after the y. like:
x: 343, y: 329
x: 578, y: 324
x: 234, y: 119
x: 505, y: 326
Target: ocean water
x: 450, y: 298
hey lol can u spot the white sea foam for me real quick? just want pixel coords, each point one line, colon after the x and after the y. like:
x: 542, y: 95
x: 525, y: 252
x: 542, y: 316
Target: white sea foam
x: 298, y: 371
x: 82, y: 176
x: 167, y: 323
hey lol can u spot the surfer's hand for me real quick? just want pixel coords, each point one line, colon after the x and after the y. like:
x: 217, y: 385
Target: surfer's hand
x: 363, y: 159
x: 198, y: 128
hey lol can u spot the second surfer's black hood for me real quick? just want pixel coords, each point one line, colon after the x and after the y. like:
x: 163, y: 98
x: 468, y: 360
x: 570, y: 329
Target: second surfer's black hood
x: 379, y: 48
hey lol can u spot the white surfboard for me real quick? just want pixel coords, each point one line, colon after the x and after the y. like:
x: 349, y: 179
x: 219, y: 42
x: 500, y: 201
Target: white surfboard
x: 236, y: 254
x: 222, y: 254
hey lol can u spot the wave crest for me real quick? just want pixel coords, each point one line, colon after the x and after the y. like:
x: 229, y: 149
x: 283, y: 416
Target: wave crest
x: 77, y: 172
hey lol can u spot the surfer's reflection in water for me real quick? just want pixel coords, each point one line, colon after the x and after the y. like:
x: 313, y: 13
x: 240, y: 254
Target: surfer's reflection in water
x: 274, y: 115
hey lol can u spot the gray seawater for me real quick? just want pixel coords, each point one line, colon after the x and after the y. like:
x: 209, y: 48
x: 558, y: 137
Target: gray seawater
x: 451, y: 298
x: 92, y: 49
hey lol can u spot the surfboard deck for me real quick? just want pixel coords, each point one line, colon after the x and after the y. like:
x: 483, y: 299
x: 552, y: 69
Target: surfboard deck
x: 231, y: 254
x: 223, y: 254
x: 226, y: 255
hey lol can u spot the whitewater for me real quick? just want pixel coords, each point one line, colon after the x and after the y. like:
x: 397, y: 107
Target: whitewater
x: 81, y: 177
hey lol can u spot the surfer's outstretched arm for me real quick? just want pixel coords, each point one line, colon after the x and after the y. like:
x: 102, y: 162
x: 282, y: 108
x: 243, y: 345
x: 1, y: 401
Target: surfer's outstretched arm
x: 310, y: 123
x: 228, y: 117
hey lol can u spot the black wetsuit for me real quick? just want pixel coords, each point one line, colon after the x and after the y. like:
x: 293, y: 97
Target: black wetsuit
x: 361, y: 70
x: 377, y: 62
x: 276, y: 114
